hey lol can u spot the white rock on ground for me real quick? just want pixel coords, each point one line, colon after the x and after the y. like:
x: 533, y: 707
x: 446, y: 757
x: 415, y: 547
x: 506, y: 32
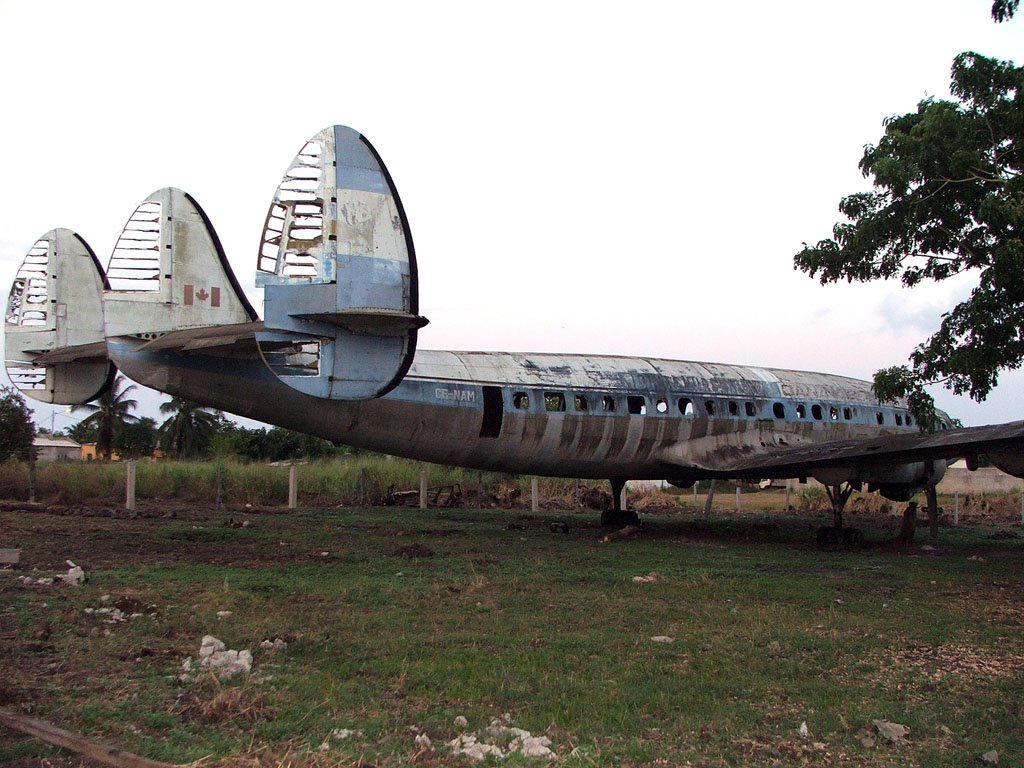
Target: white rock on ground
x: 893, y: 732
x: 214, y: 655
x: 75, y: 575
x: 662, y: 639
x: 422, y: 741
x: 460, y: 722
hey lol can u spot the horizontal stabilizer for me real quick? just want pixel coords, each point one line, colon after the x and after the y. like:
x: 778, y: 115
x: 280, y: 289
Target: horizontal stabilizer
x: 53, y: 332
x: 339, y: 273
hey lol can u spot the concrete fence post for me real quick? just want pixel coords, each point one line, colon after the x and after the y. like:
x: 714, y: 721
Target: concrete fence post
x: 956, y: 509
x: 129, y: 503
x: 737, y: 498
x: 711, y: 497
x: 423, y: 489
x: 534, y: 495
x: 293, y: 486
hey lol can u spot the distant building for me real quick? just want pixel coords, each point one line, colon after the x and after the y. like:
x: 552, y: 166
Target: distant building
x: 88, y: 453
x: 51, y: 448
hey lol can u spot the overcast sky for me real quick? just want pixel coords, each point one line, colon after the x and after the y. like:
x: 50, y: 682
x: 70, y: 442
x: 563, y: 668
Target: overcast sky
x: 579, y: 177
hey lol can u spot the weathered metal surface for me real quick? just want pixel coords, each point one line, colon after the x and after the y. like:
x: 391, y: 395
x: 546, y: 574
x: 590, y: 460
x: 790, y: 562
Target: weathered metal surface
x: 53, y: 326
x: 174, y: 275
x: 339, y: 271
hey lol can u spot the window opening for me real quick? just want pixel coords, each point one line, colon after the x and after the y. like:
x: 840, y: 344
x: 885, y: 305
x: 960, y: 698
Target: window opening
x: 580, y: 402
x: 910, y: 420
x: 833, y: 413
x: 521, y: 400
x: 816, y: 412
x: 734, y: 410
x: 686, y: 406
x: 801, y: 411
x: 709, y: 406
x: 554, y: 401
x: 608, y: 403
x: 880, y: 418
x: 750, y: 409
x: 779, y: 411
x: 637, y: 405
x: 846, y: 414
x: 899, y: 420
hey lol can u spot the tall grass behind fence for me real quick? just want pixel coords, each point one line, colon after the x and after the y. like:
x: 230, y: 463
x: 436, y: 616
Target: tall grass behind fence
x: 353, y: 480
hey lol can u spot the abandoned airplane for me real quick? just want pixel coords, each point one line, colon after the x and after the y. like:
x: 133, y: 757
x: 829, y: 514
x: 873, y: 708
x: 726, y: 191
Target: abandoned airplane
x: 335, y: 356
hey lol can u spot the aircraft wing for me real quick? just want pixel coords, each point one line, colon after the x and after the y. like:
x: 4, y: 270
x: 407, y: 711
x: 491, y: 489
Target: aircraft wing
x: 1005, y: 441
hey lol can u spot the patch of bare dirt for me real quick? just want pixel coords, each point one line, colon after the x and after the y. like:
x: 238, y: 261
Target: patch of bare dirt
x: 965, y: 661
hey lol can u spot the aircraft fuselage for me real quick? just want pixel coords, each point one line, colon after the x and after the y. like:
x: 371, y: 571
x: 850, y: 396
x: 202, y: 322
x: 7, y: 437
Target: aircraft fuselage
x: 553, y: 415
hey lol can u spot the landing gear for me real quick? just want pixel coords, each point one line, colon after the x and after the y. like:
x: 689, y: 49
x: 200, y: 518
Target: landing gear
x: 838, y: 495
x: 617, y: 517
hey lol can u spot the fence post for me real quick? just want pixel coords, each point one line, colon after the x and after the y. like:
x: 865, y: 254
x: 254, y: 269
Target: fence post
x: 129, y: 503
x: 423, y: 489
x: 710, y: 498
x: 220, y: 486
x: 293, y: 486
x: 789, y: 492
x: 956, y: 509
x: 737, y: 498
x: 534, y: 495
x: 695, y: 493
x: 32, y: 475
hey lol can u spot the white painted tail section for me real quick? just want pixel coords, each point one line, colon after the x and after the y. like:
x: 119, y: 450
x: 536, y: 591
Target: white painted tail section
x: 339, y: 273
x: 168, y: 271
x: 53, y: 331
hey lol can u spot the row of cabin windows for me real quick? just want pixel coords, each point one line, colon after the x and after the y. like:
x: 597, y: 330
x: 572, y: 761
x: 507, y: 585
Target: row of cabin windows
x: 637, y: 405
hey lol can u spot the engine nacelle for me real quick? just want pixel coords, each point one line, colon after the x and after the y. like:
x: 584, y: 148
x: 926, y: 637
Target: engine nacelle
x: 1010, y: 463
x: 898, y: 482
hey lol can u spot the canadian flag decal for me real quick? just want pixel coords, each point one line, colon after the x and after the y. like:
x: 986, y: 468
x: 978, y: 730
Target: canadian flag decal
x: 192, y: 295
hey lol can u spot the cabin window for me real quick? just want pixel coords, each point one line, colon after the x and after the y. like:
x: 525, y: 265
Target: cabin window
x: 910, y: 420
x: 521, y: 400
x: 554, y: 401
x: 801, y: 411
x: 709, y: 406
x: 899, y: 420
x: 833, y: 413
x: 580, y: 402
x: 662, y: 406
x: 816, y: 412
x: 686, y: 406
x: 751, y: 410
x: 846, y: 414
x: 880, y: 417
x: 779, y: 411
x: 637, y: 405
x: 608, y: 403
x: 734, y: 410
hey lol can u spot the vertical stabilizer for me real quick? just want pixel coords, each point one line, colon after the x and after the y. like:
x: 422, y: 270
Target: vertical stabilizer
x: 339, y: 273
x: 168, y: 271
x: 53, y: 331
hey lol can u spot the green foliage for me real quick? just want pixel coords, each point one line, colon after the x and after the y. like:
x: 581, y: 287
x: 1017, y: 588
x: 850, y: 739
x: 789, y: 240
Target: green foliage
x: 108, y: 416
x: 948, y: 199
x: 273, y: 444
x: 1003, y: 10
x: 136, y: 439
x: 189, y: 430
x: 16, y: 427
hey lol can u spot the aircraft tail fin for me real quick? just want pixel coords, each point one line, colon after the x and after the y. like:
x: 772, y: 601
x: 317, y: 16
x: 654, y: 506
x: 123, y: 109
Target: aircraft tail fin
x: 338, y: 267
x: 168, y: 271
x: 55, y: 350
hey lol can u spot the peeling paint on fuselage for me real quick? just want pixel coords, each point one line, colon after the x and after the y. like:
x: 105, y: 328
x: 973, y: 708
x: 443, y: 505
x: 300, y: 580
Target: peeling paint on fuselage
x: 435, y: 414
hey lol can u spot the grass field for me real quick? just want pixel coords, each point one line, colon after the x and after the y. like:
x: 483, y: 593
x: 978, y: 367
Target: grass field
x: 399, y: 621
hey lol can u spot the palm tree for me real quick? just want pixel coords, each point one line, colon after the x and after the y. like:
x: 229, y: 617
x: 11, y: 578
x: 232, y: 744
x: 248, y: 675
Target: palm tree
x: 190, y: 430
x: 109, y: 414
